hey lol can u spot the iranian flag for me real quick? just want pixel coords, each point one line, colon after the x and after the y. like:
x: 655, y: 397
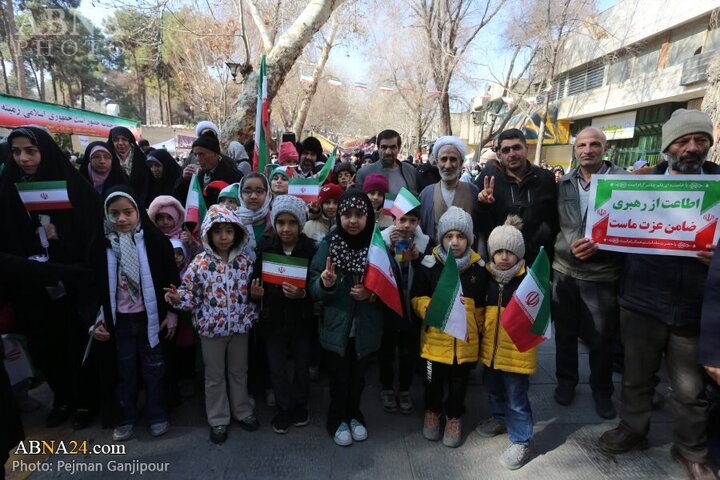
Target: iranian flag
x: 446, y: 311
x: 306, y: 77
x: 404, y: 202
x: 307, y: 189
x: 387, y: 205
x: 334, y: 82
x: 44, y: 195
x: 360, y: 85
x: 526, y: 319
x: 279, y: 269
x: 195, y: 205
x: 261, y: 121
x: 379, y: 277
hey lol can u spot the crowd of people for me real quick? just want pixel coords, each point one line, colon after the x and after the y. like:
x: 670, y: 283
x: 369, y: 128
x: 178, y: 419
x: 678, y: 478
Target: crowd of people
x: 110, y: 258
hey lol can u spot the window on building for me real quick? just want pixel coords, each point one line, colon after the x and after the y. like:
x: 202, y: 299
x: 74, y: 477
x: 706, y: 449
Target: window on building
x: 586, y: 78
x: 558, y: 91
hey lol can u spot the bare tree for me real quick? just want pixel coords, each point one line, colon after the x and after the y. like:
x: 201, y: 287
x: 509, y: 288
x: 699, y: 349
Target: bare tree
x: 450, y: 27
x: 284, y: 49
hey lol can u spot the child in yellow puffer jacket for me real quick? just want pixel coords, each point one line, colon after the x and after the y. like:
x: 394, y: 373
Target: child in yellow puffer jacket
x: 507, y: 370
x: 448, y: 360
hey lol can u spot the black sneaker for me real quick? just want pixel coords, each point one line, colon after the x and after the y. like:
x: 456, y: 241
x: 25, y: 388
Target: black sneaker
x: 281, y: 422
x: 218, y: 434
x: 57, y: 416
x: 249, y: 423
x: 300, y: 417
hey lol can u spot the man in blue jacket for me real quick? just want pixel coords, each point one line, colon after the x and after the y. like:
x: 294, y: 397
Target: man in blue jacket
x: 660, y: 303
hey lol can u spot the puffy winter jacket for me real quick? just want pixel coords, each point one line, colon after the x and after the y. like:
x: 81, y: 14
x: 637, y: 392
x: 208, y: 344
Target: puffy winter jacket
x: 497, y: 350
x: 217, y: 291
x: 435, y: 344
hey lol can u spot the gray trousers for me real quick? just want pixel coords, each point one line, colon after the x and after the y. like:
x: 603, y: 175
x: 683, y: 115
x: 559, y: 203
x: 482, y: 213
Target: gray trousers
x: 646, y: 340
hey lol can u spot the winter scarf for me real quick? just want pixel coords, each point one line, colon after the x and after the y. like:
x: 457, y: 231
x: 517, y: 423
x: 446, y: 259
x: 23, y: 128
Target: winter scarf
x: 503, y: 277
x: 123, y: 246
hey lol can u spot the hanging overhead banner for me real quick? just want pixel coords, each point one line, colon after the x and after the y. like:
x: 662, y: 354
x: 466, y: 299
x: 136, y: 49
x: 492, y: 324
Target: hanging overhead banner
x: 618, y: 126
x: 16, y: 112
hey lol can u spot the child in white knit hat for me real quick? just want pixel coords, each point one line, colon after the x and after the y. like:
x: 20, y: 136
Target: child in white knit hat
x: 448, y: 360
x: 507, y: 370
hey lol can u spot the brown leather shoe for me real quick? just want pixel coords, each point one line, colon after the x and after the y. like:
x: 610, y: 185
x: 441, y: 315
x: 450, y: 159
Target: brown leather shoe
x: 621, y: 440
x: 695, y: 470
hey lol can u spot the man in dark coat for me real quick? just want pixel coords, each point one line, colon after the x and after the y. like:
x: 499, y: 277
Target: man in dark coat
x: 661, y: 297
x: 209, y: 168
x: 516, y: 186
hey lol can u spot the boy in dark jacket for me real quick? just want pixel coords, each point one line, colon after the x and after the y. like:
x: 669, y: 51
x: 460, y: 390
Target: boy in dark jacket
x: 286, y: 310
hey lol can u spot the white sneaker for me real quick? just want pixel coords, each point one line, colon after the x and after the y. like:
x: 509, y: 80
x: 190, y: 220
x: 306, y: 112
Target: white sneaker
x: 358, y: 430
x: 159, y: 429
x: 343, y: 437
x: 122, y: 433
x: 515, y: 456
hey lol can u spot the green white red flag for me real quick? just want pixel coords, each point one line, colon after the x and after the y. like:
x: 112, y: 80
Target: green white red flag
x: 308, y: 189
x: 279, y: 269
x: 379, y: 277
x: 262, y: 120
x: 446, y: 311
x: 44, y: 195
x: 387, y: 205
x: 404, y: 202
x: 195, y: 208
x: 526, y: 319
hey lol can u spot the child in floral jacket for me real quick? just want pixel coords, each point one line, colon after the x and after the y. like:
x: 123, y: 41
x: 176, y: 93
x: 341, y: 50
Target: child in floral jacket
x: 215, y: 287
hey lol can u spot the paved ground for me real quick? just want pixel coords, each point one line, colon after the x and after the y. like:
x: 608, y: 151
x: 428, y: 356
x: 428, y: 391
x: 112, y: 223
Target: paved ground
x: 564, y: 444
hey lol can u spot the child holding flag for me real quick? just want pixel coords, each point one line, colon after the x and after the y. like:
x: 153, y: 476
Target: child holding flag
x: 448, y: 294
x: 507, y: 370
x: 351, y: 325
x: 322, y: 220
x: 215, y: 287
x: 286, y: 318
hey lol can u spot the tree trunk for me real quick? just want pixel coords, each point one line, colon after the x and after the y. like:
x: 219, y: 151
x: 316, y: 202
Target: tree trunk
x: 302, y: 113
x: 14, y: 44
x: 4, y: 73
x: 160, y: 100
x: 82, y: 93
x: 34, y: 75
x: 41, y: 68
x: 711, y: 102
x: 541, y: 130
x: 54, y: 85
x: 445, y: 122
x: 169, y: 97
x: 280, y: 60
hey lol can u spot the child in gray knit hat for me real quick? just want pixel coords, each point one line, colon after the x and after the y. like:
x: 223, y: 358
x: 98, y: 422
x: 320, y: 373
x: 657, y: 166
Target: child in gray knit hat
x: 448, y: 360
x: 507, y: 370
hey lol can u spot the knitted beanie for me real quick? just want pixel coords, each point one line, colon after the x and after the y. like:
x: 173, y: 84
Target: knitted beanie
x: 232, y: 192
x: 376, y: 181
x: 684, y: 122
x: 279, y: 171
x: 455, y: 219
x: 330, y: 191
x: 507, y: 237
x: 289, y: 204
x: 288, y: 154
x: 345, y: 167
x: 207, y: 141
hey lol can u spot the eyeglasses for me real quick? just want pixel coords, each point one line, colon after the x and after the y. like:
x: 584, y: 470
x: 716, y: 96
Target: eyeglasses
x: 250, y: 191
x: 505, y: 150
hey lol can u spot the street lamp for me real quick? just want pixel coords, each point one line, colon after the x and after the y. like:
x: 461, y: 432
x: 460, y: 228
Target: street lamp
x: 242, y: 68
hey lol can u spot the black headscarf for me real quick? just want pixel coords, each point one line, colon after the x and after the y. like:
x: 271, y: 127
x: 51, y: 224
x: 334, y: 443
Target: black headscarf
x: 349, y: 252
x: 75, y: 226
x: 165, y: 185
x: 139, y: 171
x: 116, y: 176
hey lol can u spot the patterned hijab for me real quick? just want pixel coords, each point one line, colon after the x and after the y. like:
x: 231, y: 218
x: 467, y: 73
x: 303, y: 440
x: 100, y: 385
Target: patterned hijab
x: 123, y: 245
x: 349, y: 252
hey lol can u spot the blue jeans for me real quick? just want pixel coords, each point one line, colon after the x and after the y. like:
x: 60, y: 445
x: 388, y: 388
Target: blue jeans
x: 132, y: 343
x: 509, y: 402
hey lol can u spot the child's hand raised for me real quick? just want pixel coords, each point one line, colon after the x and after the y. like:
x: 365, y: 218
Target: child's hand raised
x: 328, y: 276
x: 257, y: 291
x: 172, y: 296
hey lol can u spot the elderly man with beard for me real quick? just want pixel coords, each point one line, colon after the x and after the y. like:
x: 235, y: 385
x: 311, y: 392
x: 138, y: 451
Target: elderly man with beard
x: 660, y: 301
x: 584, y: 301
x: 435, y: 199
x: 399, y: 174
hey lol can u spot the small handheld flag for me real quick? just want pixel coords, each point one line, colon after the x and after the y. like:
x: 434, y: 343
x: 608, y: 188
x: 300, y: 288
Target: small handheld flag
x: 404, y: 202
x: 279, y: 269
x: 195, y: 205
x: 379, y: 277
x: 44, y: 195
x: 446, y: 311
x: 526, y: 319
